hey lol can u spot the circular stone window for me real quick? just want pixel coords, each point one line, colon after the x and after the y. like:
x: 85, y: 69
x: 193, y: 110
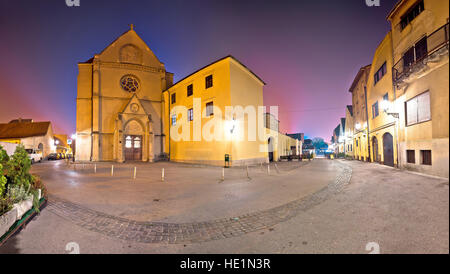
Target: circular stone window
x: 129, y: 83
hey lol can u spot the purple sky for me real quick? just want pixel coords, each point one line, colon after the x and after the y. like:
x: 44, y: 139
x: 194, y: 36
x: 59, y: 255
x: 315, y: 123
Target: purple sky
x: 307, y: 52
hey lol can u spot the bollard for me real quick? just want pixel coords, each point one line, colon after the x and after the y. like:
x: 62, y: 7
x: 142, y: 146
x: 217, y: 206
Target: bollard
x: 247, y: 173
x: 112, y: 170
x: 162, y: 175
x: 223, y: 174
x: 134, y: 174
x: 268, y: 169
x: 95, y: 168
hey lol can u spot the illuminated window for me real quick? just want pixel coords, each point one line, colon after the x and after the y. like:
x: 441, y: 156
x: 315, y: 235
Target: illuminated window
x: 174, y: 119
x: 209, y: 81
x: 190, y: 90
x: 418, y: 109
x: 137, y: 142
x: 129, y: 83
x: 209, y: 109
x: 190, y: 114
x: 128, y: 143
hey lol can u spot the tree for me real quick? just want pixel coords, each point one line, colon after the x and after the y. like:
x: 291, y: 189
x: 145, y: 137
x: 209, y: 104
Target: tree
x: 319, y: 143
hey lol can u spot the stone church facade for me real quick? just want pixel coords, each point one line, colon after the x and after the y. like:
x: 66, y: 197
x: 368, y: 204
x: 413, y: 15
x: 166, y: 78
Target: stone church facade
x: 119, y: 103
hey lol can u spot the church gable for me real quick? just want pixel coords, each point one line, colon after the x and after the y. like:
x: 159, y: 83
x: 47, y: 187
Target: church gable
x: 134, y: 106
x: 130, y: 48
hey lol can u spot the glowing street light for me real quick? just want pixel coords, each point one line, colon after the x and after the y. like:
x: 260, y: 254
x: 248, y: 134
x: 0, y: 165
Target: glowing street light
x: 385, y: 105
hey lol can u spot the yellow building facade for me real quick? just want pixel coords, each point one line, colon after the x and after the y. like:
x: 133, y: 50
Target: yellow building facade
x: 359, y: 106
x: 215, y: 112
x: 420, y: 43
x: 383, y: 127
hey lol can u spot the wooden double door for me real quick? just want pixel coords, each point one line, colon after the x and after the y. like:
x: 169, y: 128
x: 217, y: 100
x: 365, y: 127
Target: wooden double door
x: 133, y: 147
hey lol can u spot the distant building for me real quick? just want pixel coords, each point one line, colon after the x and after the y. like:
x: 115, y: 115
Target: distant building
x: 61, y: 143
x: 308, y: 147
x: 359, y: 107
x: 33, y: 135
x: 348, y: 132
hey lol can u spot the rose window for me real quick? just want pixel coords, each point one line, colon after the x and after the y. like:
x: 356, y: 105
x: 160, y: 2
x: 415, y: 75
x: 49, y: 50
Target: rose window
x: 129, y: 83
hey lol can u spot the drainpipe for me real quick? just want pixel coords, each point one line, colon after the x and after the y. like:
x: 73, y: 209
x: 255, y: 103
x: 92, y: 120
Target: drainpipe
x: 397, y: 119
x: 368, y: 126
x: 170, y: 121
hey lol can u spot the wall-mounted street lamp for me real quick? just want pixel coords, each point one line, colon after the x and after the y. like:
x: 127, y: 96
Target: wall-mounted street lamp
x: 385, y: 106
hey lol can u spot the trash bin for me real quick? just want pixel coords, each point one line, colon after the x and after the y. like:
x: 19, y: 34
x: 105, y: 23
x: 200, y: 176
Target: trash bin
x: 227, y: 160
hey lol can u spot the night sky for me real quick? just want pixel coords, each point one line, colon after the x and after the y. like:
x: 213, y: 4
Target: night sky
x: 307, y: 52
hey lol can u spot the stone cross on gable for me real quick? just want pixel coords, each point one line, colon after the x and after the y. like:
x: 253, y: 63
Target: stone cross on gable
x: 131, y: 26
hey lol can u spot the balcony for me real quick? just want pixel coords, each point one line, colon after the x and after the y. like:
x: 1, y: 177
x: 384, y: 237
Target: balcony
x: 429, y: 48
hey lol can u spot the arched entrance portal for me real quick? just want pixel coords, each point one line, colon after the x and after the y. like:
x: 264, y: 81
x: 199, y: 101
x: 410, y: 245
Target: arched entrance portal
x: 133, y: 135
x: 375, y: 149
x: 270, y: 148
x: 388, y: 149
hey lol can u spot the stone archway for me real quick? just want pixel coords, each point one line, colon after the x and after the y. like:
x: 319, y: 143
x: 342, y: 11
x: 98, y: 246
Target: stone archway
x: 133, y: 137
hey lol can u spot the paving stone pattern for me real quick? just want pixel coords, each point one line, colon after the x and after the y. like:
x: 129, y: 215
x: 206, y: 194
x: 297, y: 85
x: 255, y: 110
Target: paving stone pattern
x: 173, y: 233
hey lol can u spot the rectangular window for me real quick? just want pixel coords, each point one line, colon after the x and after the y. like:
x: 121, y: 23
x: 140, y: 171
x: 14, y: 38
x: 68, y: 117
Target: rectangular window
x: 208, y: 81
x: 375, y: 112
x: 190, y: 114
x: 174, y: 120
x: 418, y: 109
x: 411, y: 156
x: 415, y: 53
x: 425, y: 156
x: 411, y: 14
x: 190, y: 90
x: 380, y: 73
x: 173, y: 98
x: 209, y: 109
x: 421, y: 48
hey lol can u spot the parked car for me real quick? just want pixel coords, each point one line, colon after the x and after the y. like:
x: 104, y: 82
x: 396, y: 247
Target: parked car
x: 53, y: 156
x: 34, y: 156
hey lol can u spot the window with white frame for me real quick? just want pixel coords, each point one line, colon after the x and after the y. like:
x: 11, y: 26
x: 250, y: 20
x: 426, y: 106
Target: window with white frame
x: 190, y: 114
x: 418, y: 109
x: 174, y: 119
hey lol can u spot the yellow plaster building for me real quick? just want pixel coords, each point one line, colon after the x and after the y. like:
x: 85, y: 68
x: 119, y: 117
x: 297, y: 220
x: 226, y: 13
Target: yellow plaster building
x: 420, y: 39
x: 348, y: 132
x: 383, y: 126
x: 359, y: 103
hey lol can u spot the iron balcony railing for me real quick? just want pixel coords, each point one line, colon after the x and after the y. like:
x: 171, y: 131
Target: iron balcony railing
x: 421, y: 50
